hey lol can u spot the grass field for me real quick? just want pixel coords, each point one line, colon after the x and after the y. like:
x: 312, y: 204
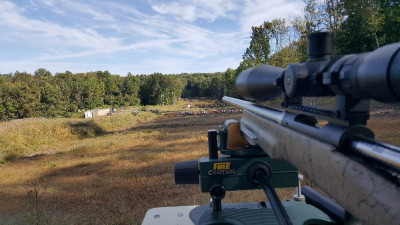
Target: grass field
x: 111, y: 170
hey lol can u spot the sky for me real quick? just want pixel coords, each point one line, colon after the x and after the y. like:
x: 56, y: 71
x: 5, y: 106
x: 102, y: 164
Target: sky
x: 136, y: 36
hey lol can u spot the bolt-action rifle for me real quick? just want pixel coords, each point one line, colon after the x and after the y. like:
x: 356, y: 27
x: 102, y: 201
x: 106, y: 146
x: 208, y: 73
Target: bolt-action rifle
x: 332, y: 147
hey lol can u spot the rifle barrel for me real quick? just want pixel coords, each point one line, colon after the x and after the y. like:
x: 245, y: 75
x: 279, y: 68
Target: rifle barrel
x: 382, y: 153
x: 272, y: 114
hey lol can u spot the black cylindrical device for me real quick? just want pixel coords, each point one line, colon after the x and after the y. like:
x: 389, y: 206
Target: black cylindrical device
x: 334, y: 210
x: 187, y: 172
x: 258, y: 83
x: 320, y: 45
x: 378, y: 75
x: 212, y: 144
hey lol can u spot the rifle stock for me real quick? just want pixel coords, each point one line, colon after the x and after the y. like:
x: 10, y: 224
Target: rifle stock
x: 362, y: 191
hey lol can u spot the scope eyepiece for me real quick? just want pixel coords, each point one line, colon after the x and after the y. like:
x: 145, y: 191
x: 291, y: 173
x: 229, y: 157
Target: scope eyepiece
x: 378, y: 75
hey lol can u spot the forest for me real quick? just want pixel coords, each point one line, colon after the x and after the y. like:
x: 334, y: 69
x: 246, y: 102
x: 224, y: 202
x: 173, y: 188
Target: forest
x: 358, y: 26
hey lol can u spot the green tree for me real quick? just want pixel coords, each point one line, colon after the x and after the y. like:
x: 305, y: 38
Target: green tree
x: 77, y: 94
x: 197, y: 85
x: 279, y: 35
x: 54, y: 99
x: 159, y: 89
x: 51, y: 101
x: 358, y: 32
x: 113, y: 95
x: 390, y: 22
x: 217, y: 86
x: 93, y: 91
x: 41, y: 72
x: 230, y: 76
x: 311, y: 21
x: 8, y: 105
x: 130, y: 90
x: 258, y: 51
x: 333, y: 15
x: 27, y: 94
x: 285, y: 56
x: 313, y: 15
x: 174, y: 89
x: 70, y: 86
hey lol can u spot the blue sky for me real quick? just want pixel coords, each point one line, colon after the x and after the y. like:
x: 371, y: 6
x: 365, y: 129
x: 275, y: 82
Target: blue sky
x: 137, y: 36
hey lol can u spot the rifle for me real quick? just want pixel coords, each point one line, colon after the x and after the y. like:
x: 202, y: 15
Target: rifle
x: 267, y: 147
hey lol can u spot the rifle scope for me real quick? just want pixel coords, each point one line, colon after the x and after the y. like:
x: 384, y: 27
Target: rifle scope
x: 372, y: 75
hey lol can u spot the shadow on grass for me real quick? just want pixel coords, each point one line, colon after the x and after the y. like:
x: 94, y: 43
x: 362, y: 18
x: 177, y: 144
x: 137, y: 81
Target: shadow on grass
x: 86, y: 129
x: 180, y: 123
x: 81, y: 169
x: 9, y: 157
x: 101, y: 193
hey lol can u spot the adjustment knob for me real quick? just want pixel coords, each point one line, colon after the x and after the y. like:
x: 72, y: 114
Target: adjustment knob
x: 187, y: 172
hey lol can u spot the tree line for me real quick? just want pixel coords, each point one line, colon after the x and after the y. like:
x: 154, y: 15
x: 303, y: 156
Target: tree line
x: 41, y: 94
x: 358, y: 26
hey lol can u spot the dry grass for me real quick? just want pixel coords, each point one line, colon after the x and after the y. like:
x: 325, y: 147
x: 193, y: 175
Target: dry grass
x: 109, y: 170
x: 386, y: 124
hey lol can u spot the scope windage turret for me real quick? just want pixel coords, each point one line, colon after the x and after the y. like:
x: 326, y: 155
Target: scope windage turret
x: 373, y: 75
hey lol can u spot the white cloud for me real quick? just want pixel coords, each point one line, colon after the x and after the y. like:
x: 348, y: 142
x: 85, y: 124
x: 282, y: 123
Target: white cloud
x: 91, y: 10
x: 58, y: 11
x: 51, y: 33
x: 33, y: 5
x: 255, y: 12
x: 189, y: 40
x: 174, y: 65
x: 122, y: 9
x: 137, y: 29
x: 48, y: 2
x: 192, y: 10
x: 144, y: 46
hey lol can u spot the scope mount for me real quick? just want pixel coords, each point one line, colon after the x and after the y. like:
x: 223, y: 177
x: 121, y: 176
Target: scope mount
x: 348, y: 112
x: 324, y: 74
